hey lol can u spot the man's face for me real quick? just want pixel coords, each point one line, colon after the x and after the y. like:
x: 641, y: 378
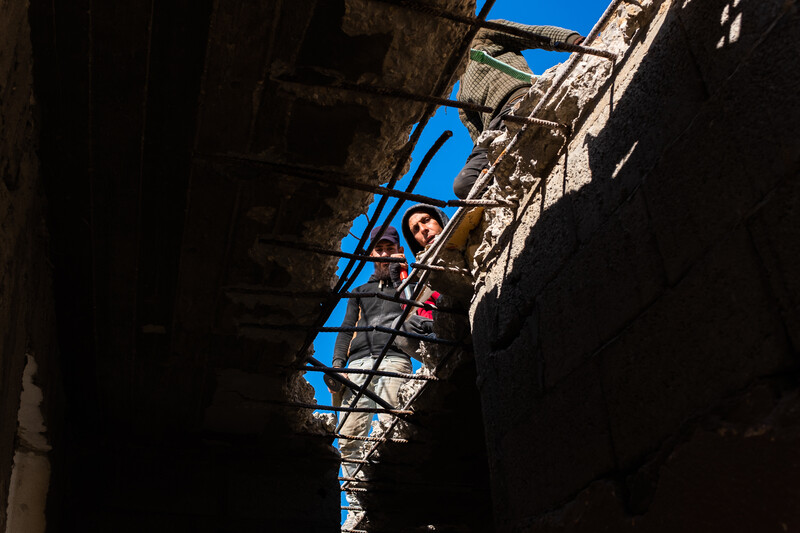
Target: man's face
x: 424, y: 228
x: 384, y: 248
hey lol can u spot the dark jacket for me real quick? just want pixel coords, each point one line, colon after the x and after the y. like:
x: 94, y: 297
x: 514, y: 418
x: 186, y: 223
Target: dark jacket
x: 368, y: 311
x: 484, y: 85
x: 434, y: 212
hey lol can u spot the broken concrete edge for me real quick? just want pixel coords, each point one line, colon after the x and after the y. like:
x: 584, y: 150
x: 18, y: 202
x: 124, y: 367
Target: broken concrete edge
x: 519, y: 178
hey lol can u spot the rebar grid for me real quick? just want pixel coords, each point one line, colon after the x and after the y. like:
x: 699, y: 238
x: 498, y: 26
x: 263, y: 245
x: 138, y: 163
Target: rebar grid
x: 346, y: 279
x: 487, y: 6
x: 422, y: 269
x: 391, y: 427
x: 354, y: 386
x: 432, y: 253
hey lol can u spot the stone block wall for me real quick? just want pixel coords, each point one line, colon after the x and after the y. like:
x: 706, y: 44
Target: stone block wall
x: 26, y: 316
x: 636, y: 322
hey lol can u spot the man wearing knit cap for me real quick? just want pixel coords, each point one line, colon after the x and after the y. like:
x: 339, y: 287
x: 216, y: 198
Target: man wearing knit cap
x: 421, y: 224
x: 361, y: 350
x: 483, y: 85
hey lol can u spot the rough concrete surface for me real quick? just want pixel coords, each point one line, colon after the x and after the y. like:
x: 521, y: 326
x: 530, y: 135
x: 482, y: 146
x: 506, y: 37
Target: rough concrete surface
x: 643, y: 284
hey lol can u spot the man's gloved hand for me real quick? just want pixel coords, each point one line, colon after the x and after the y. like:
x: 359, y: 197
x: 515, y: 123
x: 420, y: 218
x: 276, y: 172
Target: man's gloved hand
x: 419, y: 325
x: 394, y: 273
x: 333, y: 385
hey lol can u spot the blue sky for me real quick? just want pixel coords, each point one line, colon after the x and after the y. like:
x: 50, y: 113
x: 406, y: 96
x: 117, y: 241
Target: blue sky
x: 578, y: 15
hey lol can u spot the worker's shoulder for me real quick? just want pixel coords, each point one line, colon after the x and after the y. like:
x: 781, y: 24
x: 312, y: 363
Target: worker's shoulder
x: 486, y: 38
x: 369, y: 286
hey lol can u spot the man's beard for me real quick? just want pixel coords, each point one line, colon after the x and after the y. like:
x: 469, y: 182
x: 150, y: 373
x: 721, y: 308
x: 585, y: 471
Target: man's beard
x: 382, y: 273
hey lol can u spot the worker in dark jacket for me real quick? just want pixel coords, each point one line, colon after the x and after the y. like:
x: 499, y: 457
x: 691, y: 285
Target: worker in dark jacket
x: 360, y: 350
x: 486, y: 86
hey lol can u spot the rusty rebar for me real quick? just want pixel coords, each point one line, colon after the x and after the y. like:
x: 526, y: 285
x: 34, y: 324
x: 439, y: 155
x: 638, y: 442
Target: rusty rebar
x: 536, y: 122
x: 289, y: 293
x: 512, y: 30
x: 403, y: 95
x: 351, y: 329
x: 404, y: 301
x: 384, y: 373
x: 349, y: 508
x: 358, y: 461
x: 368, y: 258
x: 350, y: 489
x: 384, y: 92
x: 353, y: 386
x: 367, y: 439
x: 587, y: 50
x: 318, y: 407
x: 366, y: 460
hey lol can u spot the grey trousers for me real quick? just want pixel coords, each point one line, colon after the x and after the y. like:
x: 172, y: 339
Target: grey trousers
x: 358, y: 424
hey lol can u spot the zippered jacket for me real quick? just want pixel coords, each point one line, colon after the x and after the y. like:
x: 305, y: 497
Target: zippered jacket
x: 368, y: 311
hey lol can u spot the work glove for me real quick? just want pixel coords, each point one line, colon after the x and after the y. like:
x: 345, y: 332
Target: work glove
x: 394, y: 274
x: 334, y: 386
x: 415, y: 324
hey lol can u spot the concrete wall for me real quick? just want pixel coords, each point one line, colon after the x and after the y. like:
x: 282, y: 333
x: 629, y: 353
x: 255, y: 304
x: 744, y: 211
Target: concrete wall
x: 637, y: 326
x: 26, y: 318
